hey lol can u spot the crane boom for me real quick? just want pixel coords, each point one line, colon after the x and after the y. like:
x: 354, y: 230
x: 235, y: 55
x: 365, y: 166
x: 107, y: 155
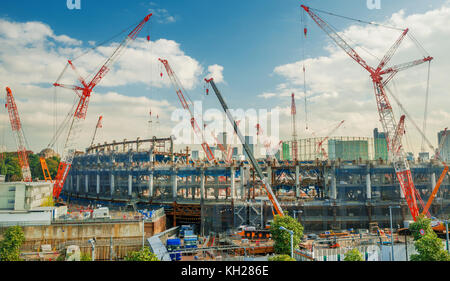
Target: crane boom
x: 252, y: 159
x: 385, y: 111
x: 17, y: 129
x: 99, y: 125
x: 186, y: 105
x: 79, y: 114
x: 320, y: 145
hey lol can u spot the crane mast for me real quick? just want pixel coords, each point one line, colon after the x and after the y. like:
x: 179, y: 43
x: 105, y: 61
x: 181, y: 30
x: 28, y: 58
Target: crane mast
x: 252, y: 159
x: 294, y: 128
x: 385, y: 111
x: 16, y: 127
x: 84, y: 92
x: 186, y: 104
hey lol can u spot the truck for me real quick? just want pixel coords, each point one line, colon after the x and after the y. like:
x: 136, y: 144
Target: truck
x: 186, y: 230
x: 173, y: 246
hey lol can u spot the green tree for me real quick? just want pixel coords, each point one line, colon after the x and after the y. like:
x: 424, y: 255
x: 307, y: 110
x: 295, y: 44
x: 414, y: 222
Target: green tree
x: 142, y: 255
x: 353, y: 255
x: 428, y: 246
x: 281, y: 258
x: 282, y: 238
x: 11, y: 243
x: 48, y: 202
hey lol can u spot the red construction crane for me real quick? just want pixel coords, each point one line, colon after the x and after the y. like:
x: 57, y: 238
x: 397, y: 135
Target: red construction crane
x: 186, y: 104
x: 84, y: 92
x: 294, y: 128
x: 381, y: 75
x: 98, y: 126
x: 17, y: 129
x: 320, y: 144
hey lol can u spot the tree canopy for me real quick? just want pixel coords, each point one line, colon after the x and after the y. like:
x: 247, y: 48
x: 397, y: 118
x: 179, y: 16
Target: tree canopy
x: 281, y: 258
x: 353, y: 255
x: 282, y: 238
x: 428, y: 245
x: 9, y: 166
x: 11, y: 243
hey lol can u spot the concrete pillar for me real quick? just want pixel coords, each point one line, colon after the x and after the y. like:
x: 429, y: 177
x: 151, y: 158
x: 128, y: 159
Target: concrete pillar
x: 186, y: 188
x: 202, y: 185
x: 193, y: 186
x: 130, y: 185
x: 150, y: 184
x: 297, y: 181
x: 174, y: 185
x: 368, y: 187
x: 86, y: 182
x: 333, y: 194
x: 433, y: 181
x: 242, y: 187
x: 112, y: 184
x: 233, y: 184
x: 216, y: 187
x: 71, y: 184
x: 78, y: 183
x: 98, y: 184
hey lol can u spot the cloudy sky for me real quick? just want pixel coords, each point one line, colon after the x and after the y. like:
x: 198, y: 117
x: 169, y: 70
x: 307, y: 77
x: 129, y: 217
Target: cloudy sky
x: 255, y: 50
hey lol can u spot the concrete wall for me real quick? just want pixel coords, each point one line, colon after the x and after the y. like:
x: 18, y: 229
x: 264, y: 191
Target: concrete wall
x: 20, y: 196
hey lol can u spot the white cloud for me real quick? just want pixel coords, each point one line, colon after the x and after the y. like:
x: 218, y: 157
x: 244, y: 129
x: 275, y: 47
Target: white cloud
x: 340, y: 89
x: 215, y: 71
x: 32, y: 57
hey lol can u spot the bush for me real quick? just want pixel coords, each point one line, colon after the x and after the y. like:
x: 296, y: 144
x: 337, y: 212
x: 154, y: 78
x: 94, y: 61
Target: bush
x: 142, y: 255
x: 353, y: 255
x: 10, y: 245
x: 281, y: 258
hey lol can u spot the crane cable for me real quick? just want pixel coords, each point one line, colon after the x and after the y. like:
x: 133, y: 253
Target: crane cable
x: 305, y: 32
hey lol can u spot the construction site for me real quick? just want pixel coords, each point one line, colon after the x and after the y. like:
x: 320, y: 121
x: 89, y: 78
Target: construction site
x: 328, y: 183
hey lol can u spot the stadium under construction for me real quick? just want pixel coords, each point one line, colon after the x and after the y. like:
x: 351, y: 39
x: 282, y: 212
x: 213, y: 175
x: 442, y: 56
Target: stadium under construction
x: 350, y: 189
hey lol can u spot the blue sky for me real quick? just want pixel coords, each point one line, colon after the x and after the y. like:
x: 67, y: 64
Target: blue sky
x: 248, y: 38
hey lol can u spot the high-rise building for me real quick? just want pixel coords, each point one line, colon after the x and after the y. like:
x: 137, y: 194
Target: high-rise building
x: 380, y: 145
x: 445, y: 150
x: 235, y: 151
x: 286, y: 151
x: 348, y: 149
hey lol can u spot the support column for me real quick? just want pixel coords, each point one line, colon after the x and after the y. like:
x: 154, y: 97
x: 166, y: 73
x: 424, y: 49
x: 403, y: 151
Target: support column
x: 233, y: 185
x: 174, y: 185
x: 71, y: 183
x: 150, y: 185
x: 130, y: 185
x: 112, y: 185
x: 297, y: 181
x: 78, y: 184
x: 242, y: 187
x: 333, y: 194
x: 202, y: 185
x: 193, y: 181
x: 368, y: 184
x: 98, y: 184
x: 433, y: 181
x: 86, y: 182
x: 216, y: 187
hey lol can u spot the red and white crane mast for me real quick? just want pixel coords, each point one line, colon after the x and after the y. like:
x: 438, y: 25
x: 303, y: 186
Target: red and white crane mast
x: 186, y: 104
x: 84, y: 92
x: 16, y: 127
x: 385, y: 111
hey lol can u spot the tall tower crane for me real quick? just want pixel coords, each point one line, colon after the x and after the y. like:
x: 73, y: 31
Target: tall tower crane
x: 276, y: 205
x: 381, y: 76
x: 294, y: 128
x: 320, y: 144
x: 17, y: 129
x: 84, y: 92
x: 186, y: 104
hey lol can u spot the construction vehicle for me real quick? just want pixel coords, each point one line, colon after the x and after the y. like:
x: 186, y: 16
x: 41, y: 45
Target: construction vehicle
x: 17, y: 129
x: 381, y: 75
x: 74, y: 120
x: 276, y: 205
